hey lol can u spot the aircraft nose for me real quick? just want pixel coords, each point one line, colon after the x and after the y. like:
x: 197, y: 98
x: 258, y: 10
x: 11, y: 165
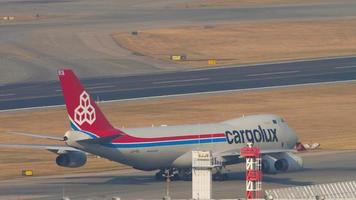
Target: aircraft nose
x: 293, y: 135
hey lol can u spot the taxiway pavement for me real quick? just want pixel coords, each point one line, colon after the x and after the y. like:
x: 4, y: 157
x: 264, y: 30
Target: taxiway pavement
x: 320, y: 167
x: 77, y: 33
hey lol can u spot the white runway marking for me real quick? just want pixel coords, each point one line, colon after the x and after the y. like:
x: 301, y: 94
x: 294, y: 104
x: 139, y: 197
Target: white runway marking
x: 6, y: 95
x: 182, y: 81
x: 345, y: 67
x: 190, y: 94
x: 272, y: 73
x: 93, y: 87
x: 275, y: 62
x: 100, y: 87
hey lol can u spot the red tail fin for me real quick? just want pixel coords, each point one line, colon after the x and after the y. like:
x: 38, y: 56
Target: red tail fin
x: 83, y: 112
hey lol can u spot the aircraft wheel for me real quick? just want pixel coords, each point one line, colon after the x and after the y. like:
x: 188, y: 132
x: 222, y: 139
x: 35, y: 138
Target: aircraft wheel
x: 159, y: 175
x: 185, y: 174
x: 220, y: 176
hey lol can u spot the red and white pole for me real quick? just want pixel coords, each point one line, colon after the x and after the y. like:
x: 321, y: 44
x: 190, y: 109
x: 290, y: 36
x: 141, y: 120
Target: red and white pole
x: 253, y: 171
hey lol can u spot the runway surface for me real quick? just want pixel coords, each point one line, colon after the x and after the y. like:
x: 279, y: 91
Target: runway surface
x: 77, y: 33
x: 320, y: 167
x: 25, y: 95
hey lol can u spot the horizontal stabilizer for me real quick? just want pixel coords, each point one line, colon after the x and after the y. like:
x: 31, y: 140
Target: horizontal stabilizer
x: 51, y: 148
x: 101, y: 140
x: 37, y: 135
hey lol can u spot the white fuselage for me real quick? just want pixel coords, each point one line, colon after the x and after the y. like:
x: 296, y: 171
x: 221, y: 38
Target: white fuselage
x: 227, y: 138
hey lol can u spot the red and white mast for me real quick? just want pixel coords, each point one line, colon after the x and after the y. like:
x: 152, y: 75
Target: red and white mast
x: 253, y: 171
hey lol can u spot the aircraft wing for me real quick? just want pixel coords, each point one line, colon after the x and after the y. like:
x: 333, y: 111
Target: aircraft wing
x: 37, y: 135
x: 52, y: 148
x: 237, y: 153
x: 271, y: 151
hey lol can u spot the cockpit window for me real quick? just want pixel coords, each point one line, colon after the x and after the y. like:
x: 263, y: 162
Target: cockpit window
x: 274, y: 121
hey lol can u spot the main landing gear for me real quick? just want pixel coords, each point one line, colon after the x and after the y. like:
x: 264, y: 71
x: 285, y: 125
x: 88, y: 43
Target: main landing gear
x: 163, y: 173
x: 185, y: 174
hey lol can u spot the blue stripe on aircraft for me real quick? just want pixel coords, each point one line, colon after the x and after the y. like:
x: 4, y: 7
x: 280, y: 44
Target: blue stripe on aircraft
x: 75, y: 128
x: 168, y: 143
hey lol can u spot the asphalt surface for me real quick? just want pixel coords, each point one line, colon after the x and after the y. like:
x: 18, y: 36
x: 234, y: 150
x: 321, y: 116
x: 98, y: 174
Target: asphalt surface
x: 36, y: 94
x: 320, y: 167
x: 77, y: 33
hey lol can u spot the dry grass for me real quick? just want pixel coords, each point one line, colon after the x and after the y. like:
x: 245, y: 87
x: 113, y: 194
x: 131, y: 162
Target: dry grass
x: 242, y: 3
x: 247, y: 42
x: 324, y: 114
x: 48, y: 122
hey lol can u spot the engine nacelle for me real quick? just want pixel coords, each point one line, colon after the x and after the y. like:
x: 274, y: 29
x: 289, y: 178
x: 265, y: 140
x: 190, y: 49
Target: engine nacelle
x: 282, y: 162
x: 288, y: 162
x: 268, y: 164
x: 71, y: 159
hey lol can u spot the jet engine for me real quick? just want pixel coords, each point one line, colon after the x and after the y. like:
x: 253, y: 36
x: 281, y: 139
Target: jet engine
x: 71, y: 159
x: 281, y: 162
x: 268, y: 164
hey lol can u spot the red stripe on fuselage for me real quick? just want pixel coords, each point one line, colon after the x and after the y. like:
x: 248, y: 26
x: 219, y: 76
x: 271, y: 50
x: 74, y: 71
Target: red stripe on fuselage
x: 131, y: 139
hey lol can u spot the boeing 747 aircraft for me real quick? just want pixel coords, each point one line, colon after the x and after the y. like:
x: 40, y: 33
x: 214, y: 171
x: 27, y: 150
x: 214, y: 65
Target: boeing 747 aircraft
x: 166, y: 147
